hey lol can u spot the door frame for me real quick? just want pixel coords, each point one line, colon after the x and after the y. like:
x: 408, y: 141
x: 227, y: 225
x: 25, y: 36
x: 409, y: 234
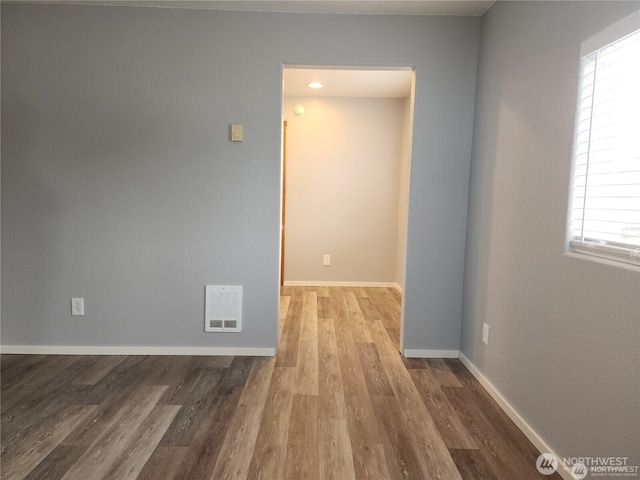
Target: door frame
x: 411, y: 123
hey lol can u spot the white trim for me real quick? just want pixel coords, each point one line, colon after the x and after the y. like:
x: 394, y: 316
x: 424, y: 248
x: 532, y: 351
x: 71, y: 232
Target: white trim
x: 602, y: 260
x: 630, y: 255
x: 413, y: 353
x: 120, y: 350
x: 321, y: 283
x: 513, y: 414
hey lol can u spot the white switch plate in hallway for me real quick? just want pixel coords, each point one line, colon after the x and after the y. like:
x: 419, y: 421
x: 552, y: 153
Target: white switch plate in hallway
x: 326, y: 260
x: 485, y: 334
x: 77, y: 306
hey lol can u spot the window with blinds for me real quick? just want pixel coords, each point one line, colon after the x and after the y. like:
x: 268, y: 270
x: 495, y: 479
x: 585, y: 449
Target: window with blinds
x: 605, y: 213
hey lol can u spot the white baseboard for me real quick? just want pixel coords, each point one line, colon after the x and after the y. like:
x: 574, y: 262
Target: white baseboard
x: 521, y: 423
x: 413, y: 353
x: 320, y: 283
x: 119, y: 350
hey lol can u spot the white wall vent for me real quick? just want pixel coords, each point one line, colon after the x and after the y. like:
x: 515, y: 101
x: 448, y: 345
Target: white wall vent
x: 223, y: 308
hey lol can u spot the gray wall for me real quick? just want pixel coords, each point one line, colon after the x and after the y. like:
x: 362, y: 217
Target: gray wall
x: 564, y: 342
x: 119, y: 183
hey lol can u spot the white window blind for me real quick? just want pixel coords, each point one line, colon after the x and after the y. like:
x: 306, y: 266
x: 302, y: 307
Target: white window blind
x: 605, y: 216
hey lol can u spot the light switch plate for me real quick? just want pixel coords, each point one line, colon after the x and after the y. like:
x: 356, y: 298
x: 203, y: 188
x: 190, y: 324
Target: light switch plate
x: 236, y: 133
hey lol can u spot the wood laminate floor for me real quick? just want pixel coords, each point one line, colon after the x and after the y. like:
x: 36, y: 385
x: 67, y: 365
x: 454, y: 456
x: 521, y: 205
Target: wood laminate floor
x: 338, y: 402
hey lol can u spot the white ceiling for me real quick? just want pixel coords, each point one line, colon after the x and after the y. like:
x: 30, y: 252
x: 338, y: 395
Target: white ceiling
x: 379, y: 7
x: 345, y: 82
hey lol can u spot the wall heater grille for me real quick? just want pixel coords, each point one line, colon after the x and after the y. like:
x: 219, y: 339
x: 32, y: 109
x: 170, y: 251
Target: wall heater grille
x: 223, y: 308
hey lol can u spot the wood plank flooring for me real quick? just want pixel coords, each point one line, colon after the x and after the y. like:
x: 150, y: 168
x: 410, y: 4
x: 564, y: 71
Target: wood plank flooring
x: 337, y: 403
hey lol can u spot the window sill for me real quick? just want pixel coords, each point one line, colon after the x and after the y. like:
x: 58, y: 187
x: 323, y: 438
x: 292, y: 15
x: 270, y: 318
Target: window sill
x: 603, y: 258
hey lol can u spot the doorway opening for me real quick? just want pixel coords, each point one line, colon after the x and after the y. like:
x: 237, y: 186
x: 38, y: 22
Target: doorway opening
x: 345, y: 176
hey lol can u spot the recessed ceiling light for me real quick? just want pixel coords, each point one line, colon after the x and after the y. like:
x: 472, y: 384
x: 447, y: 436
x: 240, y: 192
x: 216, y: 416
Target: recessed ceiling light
x: 315, y: 85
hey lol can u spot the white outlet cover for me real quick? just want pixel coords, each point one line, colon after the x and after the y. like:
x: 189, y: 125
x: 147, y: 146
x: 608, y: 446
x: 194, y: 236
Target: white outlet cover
x: 485, y: 333
x: 77, y: 306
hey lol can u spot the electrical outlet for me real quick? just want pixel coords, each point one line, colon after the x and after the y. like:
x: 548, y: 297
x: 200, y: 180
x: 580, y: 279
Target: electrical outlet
x: 326, y: 260
x: 485, y: 334
x: 77, y: 306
